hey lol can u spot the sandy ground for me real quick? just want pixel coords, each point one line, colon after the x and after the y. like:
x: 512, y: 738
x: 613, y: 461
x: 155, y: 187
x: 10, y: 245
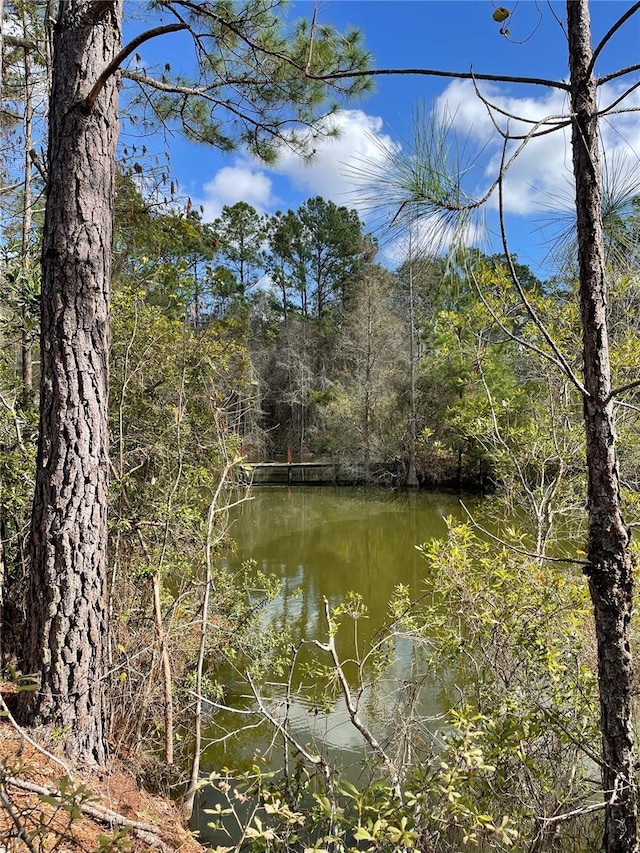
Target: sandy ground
x: 32, y: 822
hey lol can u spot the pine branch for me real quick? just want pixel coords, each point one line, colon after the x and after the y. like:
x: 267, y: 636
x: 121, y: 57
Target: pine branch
x: 120, y: 57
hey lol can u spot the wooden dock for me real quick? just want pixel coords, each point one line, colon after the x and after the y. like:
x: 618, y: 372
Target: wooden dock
x: 293, y: 472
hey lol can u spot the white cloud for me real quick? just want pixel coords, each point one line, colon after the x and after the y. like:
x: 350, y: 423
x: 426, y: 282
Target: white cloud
x: 231, y: 184
x: 430, y: 235
x: 541, y: 169
x: 621, y: 136
x: 538, y: 181
x: 540, y: 178
x: 360, y: 143
x: 330, y: 173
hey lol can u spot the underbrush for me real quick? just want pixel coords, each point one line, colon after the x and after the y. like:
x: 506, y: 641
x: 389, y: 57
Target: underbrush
x: 513, y: 764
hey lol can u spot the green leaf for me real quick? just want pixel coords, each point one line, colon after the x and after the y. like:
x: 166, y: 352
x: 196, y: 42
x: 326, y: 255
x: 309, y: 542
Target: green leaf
x: 361, y: 834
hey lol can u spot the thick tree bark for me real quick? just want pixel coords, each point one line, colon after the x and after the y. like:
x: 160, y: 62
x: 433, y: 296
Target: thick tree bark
x: 1, y: 48
x: 67, y: 612
x: 610, y: 563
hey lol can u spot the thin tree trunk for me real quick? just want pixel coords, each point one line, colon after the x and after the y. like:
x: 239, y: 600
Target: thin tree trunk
x: 3, y: 564
x: 283, y: 285
x: 368, y: 366
x: 610, y: 569
x: 167, y: 674
x: 27, y: 204
x: 412, y: 477
x: 3, y: 574
x: 66, y: 603
x: 211, y: 543
x: 1, y: 49
x: 161, y: 631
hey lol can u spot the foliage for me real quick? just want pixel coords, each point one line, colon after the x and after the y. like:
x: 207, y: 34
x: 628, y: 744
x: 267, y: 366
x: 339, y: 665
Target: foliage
x: 240, y: 233
x: 625, y: 350
x: 51, y: 818
x: 168, y: 252
x: 250, y: 59
x: 515, y: 639
x: 513, y: 759
x: 315, y: 256
x: 510, y: 631
x: 174, y: 445
x: 18, y: 431
x: 511, y: 764
x: 360, y: 411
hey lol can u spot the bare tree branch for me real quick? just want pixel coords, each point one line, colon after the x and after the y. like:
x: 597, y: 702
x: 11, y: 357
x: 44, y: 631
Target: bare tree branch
x: 351, y: 706
x: 146, y: 831
x: 555, y: 122
x: 621, y: 73
x: 566, y: 367
x: 523, y: 342
x: 119, y: 58
x: 433, y: 72
x: 18, y: 41
x: 517, y: 550
x: 608, y: 110
x: 621, y: 390
x: 38, y: 747
x: 21, y: 830
x: 37, y: 162
x: 607, y: 36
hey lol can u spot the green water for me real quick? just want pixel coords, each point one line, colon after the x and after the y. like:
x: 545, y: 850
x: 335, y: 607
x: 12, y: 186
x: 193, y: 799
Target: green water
x: 323, y: 542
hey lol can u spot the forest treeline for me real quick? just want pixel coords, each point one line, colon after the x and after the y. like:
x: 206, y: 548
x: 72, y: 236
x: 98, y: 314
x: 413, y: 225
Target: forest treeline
x: 425, y: 372
x: 147, y: 355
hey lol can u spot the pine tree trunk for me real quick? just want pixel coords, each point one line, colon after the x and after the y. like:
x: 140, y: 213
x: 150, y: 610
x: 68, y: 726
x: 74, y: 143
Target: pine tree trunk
x: 67, y: 607
x: 610, y: 568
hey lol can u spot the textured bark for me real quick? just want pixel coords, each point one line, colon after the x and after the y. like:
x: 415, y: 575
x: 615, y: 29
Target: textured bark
x: 610, y: 563
x: 67, y: 614
x: 1, y: 48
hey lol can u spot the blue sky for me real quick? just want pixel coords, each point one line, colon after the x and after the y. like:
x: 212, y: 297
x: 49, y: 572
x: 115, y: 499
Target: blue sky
x: 454, y: 35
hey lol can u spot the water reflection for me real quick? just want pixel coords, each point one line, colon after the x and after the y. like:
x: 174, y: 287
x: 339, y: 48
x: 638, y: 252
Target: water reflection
x: 323, y: 542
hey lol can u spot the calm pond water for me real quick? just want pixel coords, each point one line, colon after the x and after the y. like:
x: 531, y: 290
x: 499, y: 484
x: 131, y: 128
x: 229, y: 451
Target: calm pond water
x: 325, y: 542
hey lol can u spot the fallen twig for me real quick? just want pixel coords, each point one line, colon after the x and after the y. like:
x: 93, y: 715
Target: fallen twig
x: 145, y: 831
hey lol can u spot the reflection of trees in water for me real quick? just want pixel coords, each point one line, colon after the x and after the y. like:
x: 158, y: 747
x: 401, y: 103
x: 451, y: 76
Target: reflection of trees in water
x: 323, y: 543
x: 326, y: 542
